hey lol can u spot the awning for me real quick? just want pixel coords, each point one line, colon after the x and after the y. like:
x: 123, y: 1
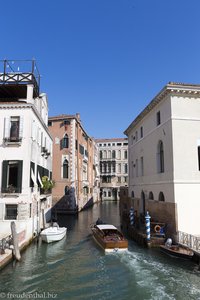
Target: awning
x: 40, y: 181
x: 33, y: 177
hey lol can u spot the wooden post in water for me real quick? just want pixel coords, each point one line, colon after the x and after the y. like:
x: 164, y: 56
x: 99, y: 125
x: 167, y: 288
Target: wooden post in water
x: 15, y: 241
x: 43, y: 219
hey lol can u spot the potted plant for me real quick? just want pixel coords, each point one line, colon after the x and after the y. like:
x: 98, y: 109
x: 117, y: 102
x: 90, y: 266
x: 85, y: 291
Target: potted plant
x: 48, y: 184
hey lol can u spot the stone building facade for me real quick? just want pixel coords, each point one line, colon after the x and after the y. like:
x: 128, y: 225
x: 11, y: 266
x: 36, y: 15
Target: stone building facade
x: 75, y: 165
x: 113, y: 155
x: 164, y: 158
x: 25, y: 151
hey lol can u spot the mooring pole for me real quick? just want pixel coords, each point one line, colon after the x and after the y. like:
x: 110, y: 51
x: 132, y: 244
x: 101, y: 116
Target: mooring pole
x: 15, y: 241
x: 131, y: 216
x: 148, y: 234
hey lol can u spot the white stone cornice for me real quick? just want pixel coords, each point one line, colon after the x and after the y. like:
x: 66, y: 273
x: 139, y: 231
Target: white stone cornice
x: 170, y: 88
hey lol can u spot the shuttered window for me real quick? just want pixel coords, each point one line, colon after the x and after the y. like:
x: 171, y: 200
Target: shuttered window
x: 12, y: 176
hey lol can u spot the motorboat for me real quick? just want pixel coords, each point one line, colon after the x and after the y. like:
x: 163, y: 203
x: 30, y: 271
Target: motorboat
x: 53, y: 234
x: 109, y: 238
x: 176, y: 250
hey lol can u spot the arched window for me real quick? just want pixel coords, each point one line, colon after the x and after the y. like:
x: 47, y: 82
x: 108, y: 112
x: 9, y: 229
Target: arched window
x: 132, y: 194
x: 65, y: 169
x: 65, y: 141
x: 151, y: 197
x: 161, y: 197
x: 160, y: 157
x: 113, y: 154
x: 104, y: 154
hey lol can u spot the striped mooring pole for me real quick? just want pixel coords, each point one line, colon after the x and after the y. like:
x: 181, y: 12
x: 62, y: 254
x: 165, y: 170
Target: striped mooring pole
x: 147, y: 219
x: 131, y: 216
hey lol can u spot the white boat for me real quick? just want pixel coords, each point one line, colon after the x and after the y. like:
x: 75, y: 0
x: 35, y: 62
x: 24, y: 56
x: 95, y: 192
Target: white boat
x: 53, y: 234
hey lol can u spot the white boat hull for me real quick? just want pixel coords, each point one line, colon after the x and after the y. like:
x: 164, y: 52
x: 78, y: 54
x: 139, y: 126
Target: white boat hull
x: 53, y: 234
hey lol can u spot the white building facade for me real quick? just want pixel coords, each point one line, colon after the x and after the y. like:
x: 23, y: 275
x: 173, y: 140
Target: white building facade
x: 113, y: 156
x: 25, y: 154
x: 164, y: 157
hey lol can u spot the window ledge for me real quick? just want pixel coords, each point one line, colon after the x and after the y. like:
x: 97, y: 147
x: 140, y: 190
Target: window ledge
x: 14, y: 195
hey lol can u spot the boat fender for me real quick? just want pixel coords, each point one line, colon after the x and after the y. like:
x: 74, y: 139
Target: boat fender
x: 157, y: 228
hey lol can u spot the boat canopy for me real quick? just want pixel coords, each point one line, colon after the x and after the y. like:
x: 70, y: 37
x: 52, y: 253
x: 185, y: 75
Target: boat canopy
x: 106, y: 226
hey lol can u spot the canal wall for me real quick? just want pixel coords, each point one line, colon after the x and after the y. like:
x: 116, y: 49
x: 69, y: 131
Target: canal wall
x: 8, y: 256
x: 162, y: 213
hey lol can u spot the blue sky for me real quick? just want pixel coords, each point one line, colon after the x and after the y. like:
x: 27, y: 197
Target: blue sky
x: 105, y: 59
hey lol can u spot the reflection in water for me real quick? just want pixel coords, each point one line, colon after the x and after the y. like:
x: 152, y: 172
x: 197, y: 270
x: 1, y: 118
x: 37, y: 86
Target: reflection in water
x: 76, y: 268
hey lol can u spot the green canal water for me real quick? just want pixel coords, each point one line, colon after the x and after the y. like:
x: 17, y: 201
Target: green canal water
x: 76, y: 268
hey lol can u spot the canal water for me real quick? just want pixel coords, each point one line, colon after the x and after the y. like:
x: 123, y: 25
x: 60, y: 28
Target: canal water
x: 76, y: 268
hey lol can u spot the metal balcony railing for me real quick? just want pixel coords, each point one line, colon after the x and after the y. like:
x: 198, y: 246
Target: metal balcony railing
x: 189, y: 240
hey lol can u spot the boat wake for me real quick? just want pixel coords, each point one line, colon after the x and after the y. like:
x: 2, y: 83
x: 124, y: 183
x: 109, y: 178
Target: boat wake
x: 158, y: 279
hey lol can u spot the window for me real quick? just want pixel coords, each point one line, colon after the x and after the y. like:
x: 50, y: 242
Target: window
x: 125, y: 154
x: 50, y: 123
x: 81, y: 149
x: 136, y: 136
x: 161, y: 197
x: 101, y: 155
x: 141, y: 166
x: 136, y: 166
x: 65, y: 142
x: 104, y: 194
x: 113, y: 154
x: 65, y: 169
x: 86, y: 153
x: 119, y: 144
x: 151, y: 197
x: 113, y: 167
x: 66, y: 122
x: 11, y: 212
x: 119, y: 179
x: 13, y: 129
x: 12, y: 176
x: 119, y: 154
x: 132, y: 169
x: 119, y: 168
x: 160, y: 157
x: 158, y: 120
x: 141, y: 132
x: 109, y: 194
x: 109, y: 167
x: 109, y: 153
x: 126, y: 168
x: 132, y: 194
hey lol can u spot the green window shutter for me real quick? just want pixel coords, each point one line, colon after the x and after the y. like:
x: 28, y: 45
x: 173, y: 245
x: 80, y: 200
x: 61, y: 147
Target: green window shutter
x: 4, y: 175
x: 19, y: 179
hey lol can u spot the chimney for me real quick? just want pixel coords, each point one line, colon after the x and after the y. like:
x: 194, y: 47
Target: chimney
x: 78, y: 116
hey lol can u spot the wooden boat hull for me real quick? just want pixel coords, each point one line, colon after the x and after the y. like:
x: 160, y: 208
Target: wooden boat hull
x: 177, y: 251
x: 53, y: 234
x: 109, y: 243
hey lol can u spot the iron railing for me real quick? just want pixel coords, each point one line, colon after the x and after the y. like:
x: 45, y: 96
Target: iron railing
x: 189, y: 240
x: 19, y: 72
